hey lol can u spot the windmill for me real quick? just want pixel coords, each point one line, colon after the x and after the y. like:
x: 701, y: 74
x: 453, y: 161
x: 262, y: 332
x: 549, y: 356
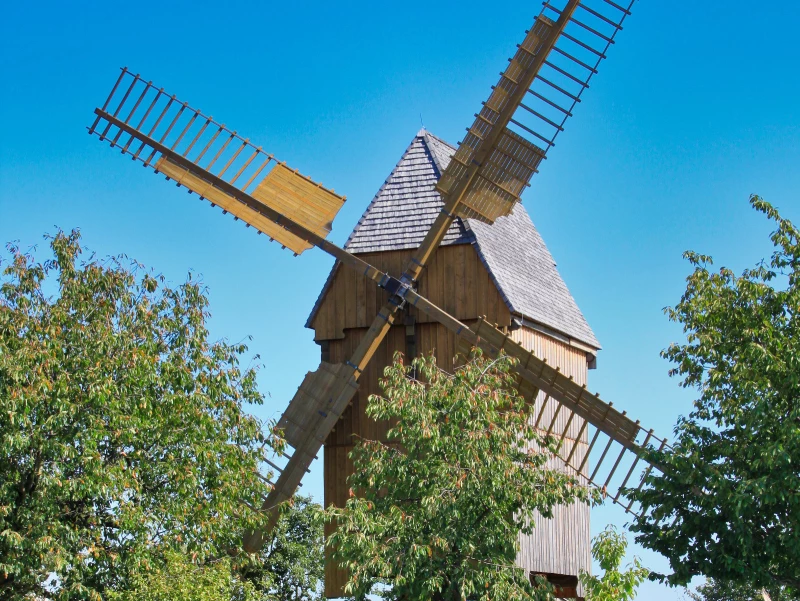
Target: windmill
x: 480, y: 183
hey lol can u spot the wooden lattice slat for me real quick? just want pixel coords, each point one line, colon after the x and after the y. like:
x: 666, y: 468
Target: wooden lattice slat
x: 506, y: 160
x: 231, y: 205
x: 530, y: 104
x: 313, y: 401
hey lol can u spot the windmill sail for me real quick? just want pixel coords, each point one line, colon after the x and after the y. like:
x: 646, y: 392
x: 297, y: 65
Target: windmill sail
x: 311, y: 415
x: 530, y: 104
x: 568, y: 411
x: 211, y: 160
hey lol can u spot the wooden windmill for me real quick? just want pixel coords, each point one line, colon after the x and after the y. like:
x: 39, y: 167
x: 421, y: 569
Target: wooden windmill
x: 424, y: 300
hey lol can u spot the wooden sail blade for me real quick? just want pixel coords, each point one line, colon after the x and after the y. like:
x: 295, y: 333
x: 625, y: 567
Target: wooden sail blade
x: 603, y: 446
x: 208, y: 158
x: 311, y: 415
x: 227, y: 203
x: 299, y: 198
x: 314, y: 402
x: 527, y: 109
x: 501, y: 178
x: 493, y: 164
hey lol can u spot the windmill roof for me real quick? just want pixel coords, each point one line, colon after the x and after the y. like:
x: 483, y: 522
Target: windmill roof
x: 513, y: 252
x: 406, y: 204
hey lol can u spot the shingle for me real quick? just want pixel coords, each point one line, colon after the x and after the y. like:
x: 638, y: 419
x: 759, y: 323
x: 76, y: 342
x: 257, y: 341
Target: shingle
x: 521, y: 267
x: 408, y: 202
x: 526, y: 275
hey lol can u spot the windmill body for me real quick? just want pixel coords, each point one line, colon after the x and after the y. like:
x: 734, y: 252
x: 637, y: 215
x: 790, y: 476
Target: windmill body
x: 503, y: 272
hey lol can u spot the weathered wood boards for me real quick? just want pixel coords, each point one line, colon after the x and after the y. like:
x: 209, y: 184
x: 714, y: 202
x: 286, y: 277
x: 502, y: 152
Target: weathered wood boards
x: 455, y: 279
x: 231, y: 205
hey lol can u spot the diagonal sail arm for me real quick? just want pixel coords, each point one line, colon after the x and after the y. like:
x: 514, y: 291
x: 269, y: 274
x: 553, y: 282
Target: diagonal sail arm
x: 530, y: 104
x: 624, y: 442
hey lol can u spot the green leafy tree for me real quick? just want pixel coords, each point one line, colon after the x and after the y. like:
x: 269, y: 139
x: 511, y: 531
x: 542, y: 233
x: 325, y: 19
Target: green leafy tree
x: 716, y: 590
x: 181, y: 579
x: 608, y: 549
x: 291, y: 566
x: 122, y: 427
x: 728, y: 503
x: 435, y: 513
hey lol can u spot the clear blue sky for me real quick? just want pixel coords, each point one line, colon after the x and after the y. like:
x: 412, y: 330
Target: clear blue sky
x: 696, y: 108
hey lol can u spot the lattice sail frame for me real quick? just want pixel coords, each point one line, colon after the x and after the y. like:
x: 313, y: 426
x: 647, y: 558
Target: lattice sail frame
x: 576, y: 413
x: 552, y: 80
x: 197, y: 152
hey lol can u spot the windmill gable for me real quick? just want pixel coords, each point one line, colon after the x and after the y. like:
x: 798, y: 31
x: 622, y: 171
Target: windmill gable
x: 513, y: 253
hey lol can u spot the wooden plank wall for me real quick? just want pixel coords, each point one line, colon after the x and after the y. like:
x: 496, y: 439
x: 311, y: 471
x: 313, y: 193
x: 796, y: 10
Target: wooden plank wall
x: 456, y: 280
x: 462, y: 286
x: 562, y: 544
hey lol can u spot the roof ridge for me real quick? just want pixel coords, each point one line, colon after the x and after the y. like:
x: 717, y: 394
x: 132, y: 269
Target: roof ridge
x: 438, y: 139
x: 428, y: 136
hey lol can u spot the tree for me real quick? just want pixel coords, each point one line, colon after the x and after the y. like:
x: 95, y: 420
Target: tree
x: 727, y: 505
x: 715, y: 590
x: 435, y: 513
x: 180, y: 579
x: 291, y: 565
x: 123, y: 429
x: 608, y: 549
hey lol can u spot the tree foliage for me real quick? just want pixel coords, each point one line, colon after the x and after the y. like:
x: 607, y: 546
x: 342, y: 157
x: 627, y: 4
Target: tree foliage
x: 435, y: 513
x: 179, y: 578
x: 123, y: 430
x: 608, y: 549
x: 288, y: 568
x: 291, y: 566
x: 728, y: 503
x: 716, y: 590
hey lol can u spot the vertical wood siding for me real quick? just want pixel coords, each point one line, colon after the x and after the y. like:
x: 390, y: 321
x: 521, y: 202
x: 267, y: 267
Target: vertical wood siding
x: 457, y: 281
x: 561, y: 544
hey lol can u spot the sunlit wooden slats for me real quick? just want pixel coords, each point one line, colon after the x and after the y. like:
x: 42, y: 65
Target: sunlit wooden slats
x: 299, y: 199
x: 219, y: 198
x: 169, y: 130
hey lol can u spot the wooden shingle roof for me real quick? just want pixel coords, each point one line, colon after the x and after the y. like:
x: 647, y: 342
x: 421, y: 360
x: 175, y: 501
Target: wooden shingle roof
x: 513, y: 252
x: 405, y: 206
